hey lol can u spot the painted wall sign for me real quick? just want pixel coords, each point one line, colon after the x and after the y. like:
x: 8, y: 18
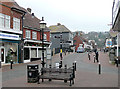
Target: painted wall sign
x: 9, y: 36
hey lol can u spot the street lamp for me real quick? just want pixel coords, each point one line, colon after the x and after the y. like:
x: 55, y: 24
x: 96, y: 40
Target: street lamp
x: 60, y: 37
x: 43, y: 26
x: 61, y: 49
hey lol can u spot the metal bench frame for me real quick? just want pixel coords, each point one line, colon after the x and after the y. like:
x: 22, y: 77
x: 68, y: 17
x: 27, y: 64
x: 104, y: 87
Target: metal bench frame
x: 66, y: 74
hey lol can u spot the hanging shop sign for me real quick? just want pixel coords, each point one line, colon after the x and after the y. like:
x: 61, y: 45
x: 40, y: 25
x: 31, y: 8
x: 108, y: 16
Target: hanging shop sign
x: 108, y: 43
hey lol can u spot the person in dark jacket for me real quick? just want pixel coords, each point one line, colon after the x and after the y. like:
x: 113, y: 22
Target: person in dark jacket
x: 97, y: 54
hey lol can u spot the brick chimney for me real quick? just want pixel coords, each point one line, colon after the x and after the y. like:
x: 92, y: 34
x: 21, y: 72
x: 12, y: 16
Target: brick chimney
x: 29, y: 10
x: 32, y: 15
x: 58, y: 24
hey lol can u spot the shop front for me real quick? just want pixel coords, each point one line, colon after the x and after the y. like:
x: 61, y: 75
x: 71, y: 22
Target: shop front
x: 33, y: 50
x: 9, y: 47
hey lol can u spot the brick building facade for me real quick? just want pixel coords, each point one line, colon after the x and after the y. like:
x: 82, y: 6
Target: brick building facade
x: 32, y: 36
x: 10, y: 31
x: 20, y: 34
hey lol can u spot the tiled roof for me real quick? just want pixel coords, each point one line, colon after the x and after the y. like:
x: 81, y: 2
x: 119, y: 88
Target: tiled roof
x: 58, y: 28
x: 11, y: 4
x: 32, y: 22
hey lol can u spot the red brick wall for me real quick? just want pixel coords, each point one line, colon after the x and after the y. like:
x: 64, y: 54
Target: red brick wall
x: 7, y: 11
x: 24, y: 34
x: 78, y: 41
x: 48, y: 35
x: 38, y: 34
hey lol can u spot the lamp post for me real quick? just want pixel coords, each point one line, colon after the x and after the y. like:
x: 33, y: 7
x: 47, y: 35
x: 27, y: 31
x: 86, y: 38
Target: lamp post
x: 61, y: 49
x: 43, y: 26
x: 60, y: 37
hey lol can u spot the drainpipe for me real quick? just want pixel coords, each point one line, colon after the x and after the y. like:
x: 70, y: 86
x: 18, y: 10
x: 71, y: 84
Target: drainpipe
x: 22, y: 42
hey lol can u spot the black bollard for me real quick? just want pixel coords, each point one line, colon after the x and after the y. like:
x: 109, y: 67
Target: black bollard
x: 65, y: 66
x: 73, y: 70
x: 99, y: 68
x: 75, y: 65
x: 88, y: 56
x: 94, y: 58
x: 60, y: 64
x: 11, y: 62
x: 49, y: 66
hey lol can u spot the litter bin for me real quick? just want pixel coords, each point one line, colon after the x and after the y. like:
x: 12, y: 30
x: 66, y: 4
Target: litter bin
x: 32, y: 73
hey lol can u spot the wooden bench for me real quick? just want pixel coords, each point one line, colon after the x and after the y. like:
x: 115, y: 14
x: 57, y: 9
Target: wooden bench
x: 66, y: 74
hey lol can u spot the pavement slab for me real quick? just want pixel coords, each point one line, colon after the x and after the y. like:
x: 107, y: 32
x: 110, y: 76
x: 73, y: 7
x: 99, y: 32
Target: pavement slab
x: 86, y: 74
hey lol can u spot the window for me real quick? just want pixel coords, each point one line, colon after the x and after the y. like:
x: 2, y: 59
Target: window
x: 7, y: 21
x: 45, y: 37
x: 16, y: 23
x: 4, y: 21
x: 33, y: 53
x: 34, y: 35
x: 28, y: 34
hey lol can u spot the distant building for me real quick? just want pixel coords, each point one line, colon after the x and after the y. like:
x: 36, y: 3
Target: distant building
x: 67, y: 37
x: 78, y: 40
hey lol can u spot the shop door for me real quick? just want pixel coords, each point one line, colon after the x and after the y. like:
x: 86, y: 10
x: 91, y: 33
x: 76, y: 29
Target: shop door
x: 2, y: 55
x: 26, y: 54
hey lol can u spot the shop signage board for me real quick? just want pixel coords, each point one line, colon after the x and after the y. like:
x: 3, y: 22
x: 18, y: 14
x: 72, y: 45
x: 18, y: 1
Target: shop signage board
x: 9, y: 36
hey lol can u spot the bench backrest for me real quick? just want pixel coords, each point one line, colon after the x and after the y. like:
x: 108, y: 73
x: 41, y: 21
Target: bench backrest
x: 56, y: 70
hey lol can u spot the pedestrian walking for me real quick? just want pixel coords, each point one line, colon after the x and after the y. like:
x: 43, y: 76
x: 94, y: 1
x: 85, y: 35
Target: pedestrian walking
x: 65, y: 51
x: 97, y: 54
x: 88, y: 55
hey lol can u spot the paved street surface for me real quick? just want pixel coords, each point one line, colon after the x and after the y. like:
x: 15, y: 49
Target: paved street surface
x: 86, y: 74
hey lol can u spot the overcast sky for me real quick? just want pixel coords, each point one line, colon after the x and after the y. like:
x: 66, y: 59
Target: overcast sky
x: 76, y: 15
